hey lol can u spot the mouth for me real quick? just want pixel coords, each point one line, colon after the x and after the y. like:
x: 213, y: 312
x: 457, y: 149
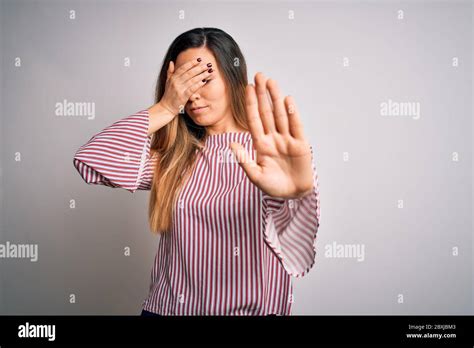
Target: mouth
x: 200, y: 109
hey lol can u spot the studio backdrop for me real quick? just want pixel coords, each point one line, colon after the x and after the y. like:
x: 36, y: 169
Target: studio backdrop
x: 384, y: 90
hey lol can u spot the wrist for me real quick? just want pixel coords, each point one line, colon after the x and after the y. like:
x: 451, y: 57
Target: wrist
x: 159, y: 116
x: 305, y: 193
x: 166, y: 109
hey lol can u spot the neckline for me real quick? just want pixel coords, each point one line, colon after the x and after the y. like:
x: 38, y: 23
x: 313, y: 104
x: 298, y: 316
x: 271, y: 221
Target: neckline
x: 226, y: 138
x: 222, y: 134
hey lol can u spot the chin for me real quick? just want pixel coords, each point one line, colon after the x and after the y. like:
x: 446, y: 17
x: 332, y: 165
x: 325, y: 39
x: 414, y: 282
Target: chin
x: 203, y: 120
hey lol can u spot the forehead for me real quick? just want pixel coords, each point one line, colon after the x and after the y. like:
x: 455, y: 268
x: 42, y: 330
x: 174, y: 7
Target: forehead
x: 193, y: 54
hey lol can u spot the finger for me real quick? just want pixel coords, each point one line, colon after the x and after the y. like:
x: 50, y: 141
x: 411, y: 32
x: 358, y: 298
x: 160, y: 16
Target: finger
x: 186, y: 66
x: 253, y: 118
x: 197, y: 82
x: 279, y: 110
x: 170, y: 70
x: 203, y: 75
x: 264, y: 106
x: 196, y: 71
x: 294, y: 121
x: 251, y: 168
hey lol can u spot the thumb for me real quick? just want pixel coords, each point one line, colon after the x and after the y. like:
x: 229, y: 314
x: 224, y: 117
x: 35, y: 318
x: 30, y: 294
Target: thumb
x: 170, y: 70
x: 251, y: 168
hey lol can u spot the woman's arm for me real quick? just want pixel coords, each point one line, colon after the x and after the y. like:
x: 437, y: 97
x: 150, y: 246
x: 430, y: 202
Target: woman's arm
x: 119, y: 155
x: 290, y: 228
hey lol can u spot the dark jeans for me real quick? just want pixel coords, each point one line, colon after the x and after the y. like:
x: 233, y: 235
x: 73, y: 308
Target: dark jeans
x: 149, y: 314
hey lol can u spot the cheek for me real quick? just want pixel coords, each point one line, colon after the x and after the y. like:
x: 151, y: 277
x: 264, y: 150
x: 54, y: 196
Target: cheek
x: 216, y: 88
x: 216, y: 95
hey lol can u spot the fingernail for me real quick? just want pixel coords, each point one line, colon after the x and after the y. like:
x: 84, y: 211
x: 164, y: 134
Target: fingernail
x: 199, y: 59
x: 210, y: 70
x: 209, y: 64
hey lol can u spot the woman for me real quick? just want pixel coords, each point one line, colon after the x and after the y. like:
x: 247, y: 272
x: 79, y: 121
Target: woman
x: 234, y: 230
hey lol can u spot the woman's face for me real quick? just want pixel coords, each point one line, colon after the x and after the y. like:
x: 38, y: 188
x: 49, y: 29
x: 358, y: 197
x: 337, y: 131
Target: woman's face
x: 212, y: 94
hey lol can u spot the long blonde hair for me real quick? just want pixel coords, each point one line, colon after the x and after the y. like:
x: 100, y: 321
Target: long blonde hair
x: 178, y: 143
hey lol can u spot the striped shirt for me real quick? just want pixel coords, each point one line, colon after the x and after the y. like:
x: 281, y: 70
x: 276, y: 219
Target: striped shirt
x: 232, y: 249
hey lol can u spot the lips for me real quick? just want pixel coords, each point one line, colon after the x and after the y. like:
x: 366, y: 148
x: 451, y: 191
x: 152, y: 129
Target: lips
x: 199, y: 107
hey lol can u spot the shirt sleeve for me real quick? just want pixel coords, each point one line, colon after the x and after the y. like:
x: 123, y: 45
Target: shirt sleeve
x: 290, y: 228
x: 119, y: 155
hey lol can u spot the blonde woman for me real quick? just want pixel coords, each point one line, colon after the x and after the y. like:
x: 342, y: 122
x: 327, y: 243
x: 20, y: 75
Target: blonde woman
x: 233, y: 188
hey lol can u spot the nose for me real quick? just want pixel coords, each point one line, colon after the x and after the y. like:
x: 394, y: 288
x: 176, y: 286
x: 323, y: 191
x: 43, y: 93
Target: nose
x: 194, y: 96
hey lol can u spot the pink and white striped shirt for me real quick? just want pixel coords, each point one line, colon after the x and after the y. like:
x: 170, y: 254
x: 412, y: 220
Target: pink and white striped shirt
x: 232, y: 249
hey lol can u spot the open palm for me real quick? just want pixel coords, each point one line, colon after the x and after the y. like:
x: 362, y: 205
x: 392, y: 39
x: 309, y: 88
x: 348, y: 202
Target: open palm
x: 283, y: 166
